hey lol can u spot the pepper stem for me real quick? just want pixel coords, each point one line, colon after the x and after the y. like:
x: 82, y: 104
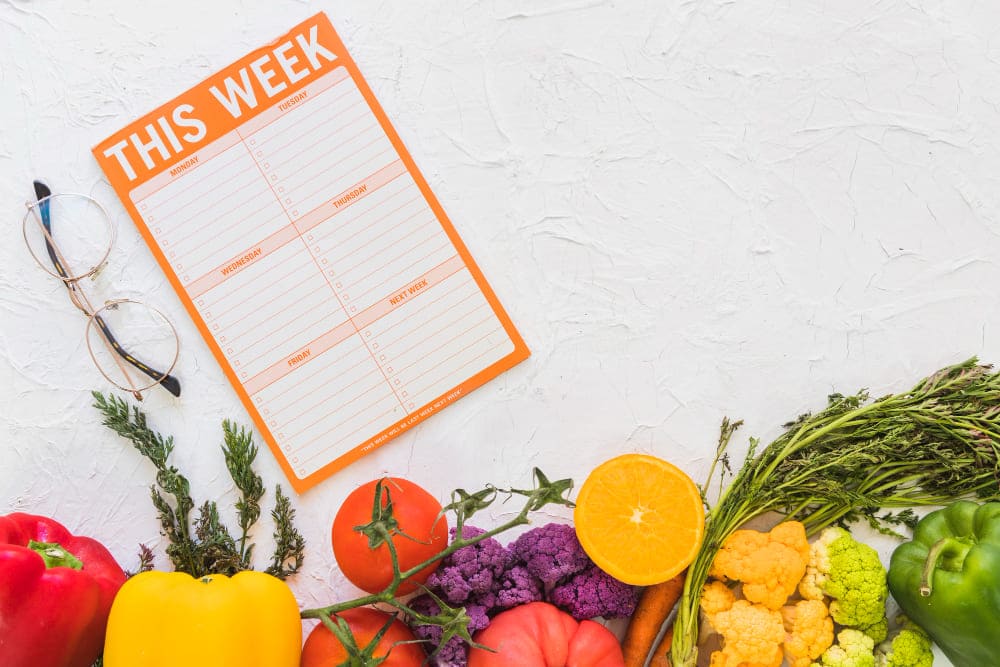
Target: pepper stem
x: 55, y: 555
x: 949, y: 549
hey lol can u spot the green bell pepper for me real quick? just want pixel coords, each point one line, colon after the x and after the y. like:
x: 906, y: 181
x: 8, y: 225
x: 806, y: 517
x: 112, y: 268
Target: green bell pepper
x: 947, y: 580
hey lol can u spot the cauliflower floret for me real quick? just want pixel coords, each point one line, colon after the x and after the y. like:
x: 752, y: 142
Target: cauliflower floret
x: 716, y: 597
x: 809, y: 631
x: 853, y: 649
x: 850, y: 573
x: 910, y: 647
x: 551, y: 552
x: 593, y: 593
x: 471, y: 571
x: 515, y: 587
x: 751, y: 636
x: 769, y: 565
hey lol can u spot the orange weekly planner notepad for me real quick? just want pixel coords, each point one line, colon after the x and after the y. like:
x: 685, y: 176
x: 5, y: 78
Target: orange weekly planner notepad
x: 310, y: 252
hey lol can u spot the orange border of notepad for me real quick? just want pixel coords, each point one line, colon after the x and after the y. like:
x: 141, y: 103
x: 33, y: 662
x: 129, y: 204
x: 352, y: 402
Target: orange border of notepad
x: 217, y: 125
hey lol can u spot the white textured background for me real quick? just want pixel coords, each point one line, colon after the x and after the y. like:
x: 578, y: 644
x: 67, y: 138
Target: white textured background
x: 690, y: 210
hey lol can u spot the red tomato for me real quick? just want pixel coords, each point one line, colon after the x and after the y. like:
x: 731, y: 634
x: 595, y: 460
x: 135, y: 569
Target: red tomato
x: 416, y: 513
x: 323, y: 649
x: 539, y: 634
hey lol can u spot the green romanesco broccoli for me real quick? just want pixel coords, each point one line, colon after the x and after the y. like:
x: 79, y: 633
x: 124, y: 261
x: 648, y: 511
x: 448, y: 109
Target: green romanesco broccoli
x: 851, y: 574
x: 852, y: 649
x: 909, y: 647
x: 877, y: 631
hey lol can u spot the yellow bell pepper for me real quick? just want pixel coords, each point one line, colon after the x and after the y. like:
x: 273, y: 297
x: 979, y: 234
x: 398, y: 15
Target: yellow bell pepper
x: 170, y: 619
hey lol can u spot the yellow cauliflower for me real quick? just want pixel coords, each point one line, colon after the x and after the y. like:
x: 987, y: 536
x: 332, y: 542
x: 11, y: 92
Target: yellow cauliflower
x: 809, y: 631
x: 751, y: 635
x: 769, y: 565
x: 716, y: 597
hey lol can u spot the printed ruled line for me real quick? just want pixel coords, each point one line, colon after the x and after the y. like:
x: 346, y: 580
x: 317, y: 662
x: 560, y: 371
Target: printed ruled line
x: 325, y: 399
x: 249, y: 346
x: 385, y: 346
x: 209, y: 160
x: 340, y: 406
x: 228, y: 194
x: 219, y: 293
x: 446, y: 344
x: 459, y: 370
x: 318, y: 141
x: 312, y: 370
x: 372, y: 223
x: 378, y: 138
x: 374, y: 158
x: 290, y: 337
x: 347, y: 438
x: 429, y: 305
x: 396, y: 242
x: 408, y: 266
x: 315, y: 112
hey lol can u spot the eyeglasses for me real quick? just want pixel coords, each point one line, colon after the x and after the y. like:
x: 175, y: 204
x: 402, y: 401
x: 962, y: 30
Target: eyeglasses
x: 144, y: 339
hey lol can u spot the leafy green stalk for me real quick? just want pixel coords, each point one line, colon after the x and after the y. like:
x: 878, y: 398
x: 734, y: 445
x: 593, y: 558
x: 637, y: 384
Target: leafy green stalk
x: 383, y: 527
x: 938, y: 442
x: 207, y: 546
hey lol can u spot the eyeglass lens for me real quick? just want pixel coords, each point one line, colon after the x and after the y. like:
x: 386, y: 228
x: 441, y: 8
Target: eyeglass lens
x: 68, y: 231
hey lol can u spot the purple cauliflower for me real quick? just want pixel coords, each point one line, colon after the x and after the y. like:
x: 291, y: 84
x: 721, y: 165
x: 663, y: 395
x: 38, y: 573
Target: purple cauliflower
x: 594, y: 592
x: 516, y: 586
x: 470, y: 572
x: 551, y: 552
x: 455, y: 653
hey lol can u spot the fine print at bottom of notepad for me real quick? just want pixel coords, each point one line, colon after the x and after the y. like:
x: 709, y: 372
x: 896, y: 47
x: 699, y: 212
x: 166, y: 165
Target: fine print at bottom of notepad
x: 348, y: 309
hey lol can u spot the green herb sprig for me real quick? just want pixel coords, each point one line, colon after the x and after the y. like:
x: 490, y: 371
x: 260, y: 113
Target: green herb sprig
x: 454, y: 621
x: 205, y: 545
x: 931, y: 445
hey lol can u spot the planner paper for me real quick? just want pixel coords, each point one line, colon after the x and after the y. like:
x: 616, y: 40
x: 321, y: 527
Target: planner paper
x: 310, y: 252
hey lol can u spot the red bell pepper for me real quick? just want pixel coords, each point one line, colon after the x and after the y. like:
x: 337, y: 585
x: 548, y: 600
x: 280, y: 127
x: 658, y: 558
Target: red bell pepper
x: 56, y: 591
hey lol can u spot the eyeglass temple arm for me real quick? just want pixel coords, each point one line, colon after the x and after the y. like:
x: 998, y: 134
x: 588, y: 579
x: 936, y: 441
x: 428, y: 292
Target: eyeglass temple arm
x: 166, y: 380
x: 42, y: 192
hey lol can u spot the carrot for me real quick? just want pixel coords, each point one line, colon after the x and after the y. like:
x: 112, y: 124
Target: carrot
x: 661, y: 656
x: 650, y: 614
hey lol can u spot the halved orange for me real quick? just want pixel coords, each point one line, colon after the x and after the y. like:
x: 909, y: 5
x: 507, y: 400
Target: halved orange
x: 640, y: 518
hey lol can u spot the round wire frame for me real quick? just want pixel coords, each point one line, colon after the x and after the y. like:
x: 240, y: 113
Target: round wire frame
x: 32, y: 215
x: 129, y: 369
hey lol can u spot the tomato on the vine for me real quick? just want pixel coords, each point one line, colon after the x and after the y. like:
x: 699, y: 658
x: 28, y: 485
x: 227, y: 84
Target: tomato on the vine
x: 323, y: 649
x: 419, y: 533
